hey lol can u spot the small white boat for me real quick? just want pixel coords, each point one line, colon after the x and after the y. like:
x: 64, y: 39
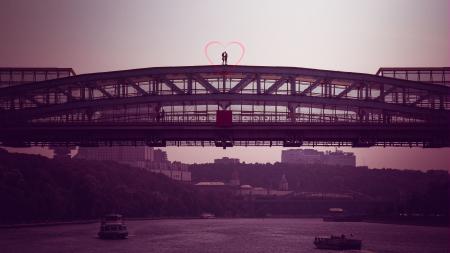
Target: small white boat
x: 113, y: 227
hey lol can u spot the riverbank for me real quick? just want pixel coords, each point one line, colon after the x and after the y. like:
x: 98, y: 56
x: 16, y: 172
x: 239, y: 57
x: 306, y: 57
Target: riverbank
x: 60, y: 223
x: 47, y: 224
x: 435, y: 221
x: 429, y: 221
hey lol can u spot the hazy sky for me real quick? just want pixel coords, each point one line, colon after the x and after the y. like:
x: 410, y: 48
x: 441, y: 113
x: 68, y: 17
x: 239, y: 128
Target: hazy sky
x: 357, y: 36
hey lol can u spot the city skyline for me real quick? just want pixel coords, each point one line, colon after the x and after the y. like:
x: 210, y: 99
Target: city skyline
x: 269, y: 156
x: 96, y: 36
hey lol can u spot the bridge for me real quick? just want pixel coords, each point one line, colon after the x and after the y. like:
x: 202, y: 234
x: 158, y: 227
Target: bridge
x: 225, y: 106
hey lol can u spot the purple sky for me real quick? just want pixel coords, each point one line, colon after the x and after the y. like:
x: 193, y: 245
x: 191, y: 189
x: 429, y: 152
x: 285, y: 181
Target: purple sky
x: 357, y: 36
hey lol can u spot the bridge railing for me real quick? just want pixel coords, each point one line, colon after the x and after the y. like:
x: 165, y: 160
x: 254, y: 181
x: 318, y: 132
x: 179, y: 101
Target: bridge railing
x: 178, y: 118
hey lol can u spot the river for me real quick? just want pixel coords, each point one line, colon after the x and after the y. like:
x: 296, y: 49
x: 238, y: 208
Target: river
x: 224, y: 235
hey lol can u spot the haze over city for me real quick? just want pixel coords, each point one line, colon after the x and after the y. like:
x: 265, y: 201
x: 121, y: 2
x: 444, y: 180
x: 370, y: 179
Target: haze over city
x: 254, y: 126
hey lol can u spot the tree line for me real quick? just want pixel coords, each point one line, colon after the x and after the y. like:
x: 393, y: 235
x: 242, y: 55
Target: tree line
x: 34, y: 188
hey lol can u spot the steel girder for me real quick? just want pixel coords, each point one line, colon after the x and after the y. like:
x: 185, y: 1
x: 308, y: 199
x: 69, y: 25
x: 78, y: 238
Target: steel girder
x: 372, y: 99
x: 342, y: 83
x: 230, y: 99
x: 277, y: 134
x: 219, y: 70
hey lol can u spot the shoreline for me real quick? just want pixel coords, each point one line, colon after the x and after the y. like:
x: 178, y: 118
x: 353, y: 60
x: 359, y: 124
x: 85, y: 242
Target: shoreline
x: 414, y: 221
x: 393, y: 221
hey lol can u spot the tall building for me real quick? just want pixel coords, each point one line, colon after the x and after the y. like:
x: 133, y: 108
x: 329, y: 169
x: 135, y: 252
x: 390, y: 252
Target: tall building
x: 284, y: 186
x: 226, y: 160
x: 301, y: 156
x: 311, y: 156
x: 340, y: 158
x: 136, y: 156
x: 235, y: 178
x: 141, y: 157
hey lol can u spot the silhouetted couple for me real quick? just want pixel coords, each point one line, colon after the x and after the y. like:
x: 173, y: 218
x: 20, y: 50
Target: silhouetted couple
x: 224, y: 58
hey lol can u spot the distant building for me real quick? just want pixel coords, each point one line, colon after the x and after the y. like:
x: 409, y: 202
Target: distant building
x: 174, y: 170
x: 136, y: 156
x: 301, y: 156
x: 141, y: 157
x: 234, y: 181
x: 248, y: 190
x: 160, y: 156
x: 340, y: 158
x: 213, y: 186
x: 284, y: 186
x: 226, y: 160
x: 311, y: 156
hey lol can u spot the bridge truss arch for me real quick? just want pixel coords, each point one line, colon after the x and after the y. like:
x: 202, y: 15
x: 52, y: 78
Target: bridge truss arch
x: 269, y: 106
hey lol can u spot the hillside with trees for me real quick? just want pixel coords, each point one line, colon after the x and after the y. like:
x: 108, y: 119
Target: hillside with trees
x: 409, y: 191
x: 34, y: 188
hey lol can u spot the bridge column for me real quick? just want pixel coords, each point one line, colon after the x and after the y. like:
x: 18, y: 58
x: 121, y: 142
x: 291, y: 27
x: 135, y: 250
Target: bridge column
x: 362, y: 115
x: 154, y: 87
x: 224, y: 83
x: 82, y: 92
x: 90, y: 93
x: 404, y: 96
x: 47, y: 96
x: 291, y: 115
x: 386, y: 117
x: 189, y: 85
x: 292, y: 83
x: 258, y: 84
x: 381, y: 97
x: 366, y: 95
x: 432, y: 102
x: 327, y: 89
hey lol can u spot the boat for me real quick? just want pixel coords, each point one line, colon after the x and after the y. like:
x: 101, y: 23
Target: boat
x: 207, y: 216
x: 337, y: 215
x: 113, y: 227
x: 342, y: 219
x: 337, y: 243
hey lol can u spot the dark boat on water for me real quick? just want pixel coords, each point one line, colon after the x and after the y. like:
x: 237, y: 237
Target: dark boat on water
x: 337, y: 243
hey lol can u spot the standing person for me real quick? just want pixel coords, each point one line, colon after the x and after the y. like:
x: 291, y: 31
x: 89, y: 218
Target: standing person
x: 224, y: 58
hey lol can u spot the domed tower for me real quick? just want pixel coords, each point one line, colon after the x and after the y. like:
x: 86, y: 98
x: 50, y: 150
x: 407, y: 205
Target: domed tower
x: 284, y: 186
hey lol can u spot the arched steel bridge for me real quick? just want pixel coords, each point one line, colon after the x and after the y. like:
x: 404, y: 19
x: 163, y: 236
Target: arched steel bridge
x: 225, y: 106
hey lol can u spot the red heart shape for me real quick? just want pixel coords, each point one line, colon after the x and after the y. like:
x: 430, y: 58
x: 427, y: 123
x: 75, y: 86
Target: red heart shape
x: 224, y: 48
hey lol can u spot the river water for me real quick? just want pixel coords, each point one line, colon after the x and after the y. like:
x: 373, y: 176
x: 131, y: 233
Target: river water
x: 224, y: 235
